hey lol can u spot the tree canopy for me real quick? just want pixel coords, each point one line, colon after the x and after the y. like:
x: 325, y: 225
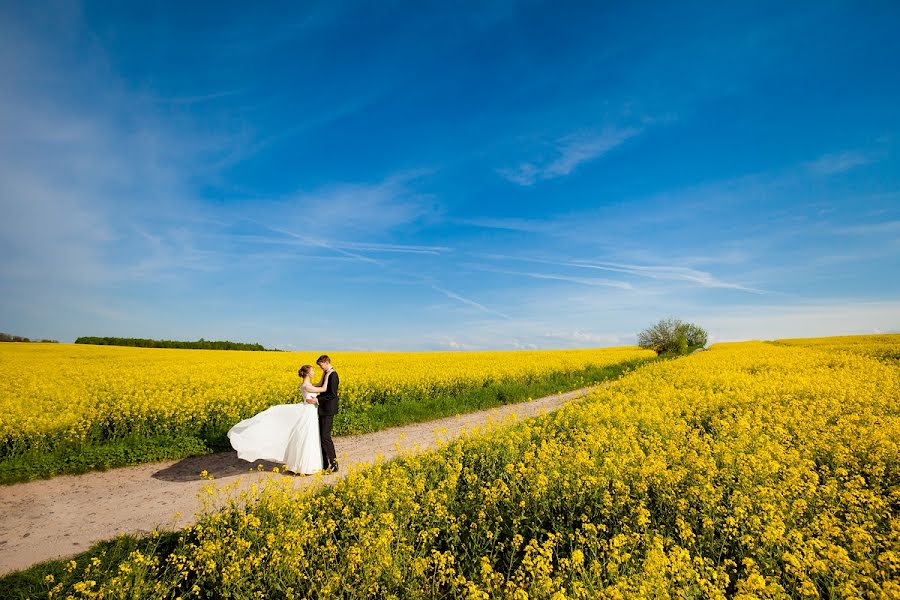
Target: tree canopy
x: 8, y: 337
x: 672, y: 336
x: 200, y: 344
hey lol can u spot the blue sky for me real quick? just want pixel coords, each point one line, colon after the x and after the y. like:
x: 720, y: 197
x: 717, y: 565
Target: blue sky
x: 482, y: 175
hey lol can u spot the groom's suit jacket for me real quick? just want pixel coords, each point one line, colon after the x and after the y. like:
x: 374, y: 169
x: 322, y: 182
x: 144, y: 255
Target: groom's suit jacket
x: 328, y: 400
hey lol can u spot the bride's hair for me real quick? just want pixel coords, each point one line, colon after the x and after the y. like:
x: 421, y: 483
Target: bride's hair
x: 304, y: 370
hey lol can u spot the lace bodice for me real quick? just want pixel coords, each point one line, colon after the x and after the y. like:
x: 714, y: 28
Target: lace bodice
x: 307, y: 395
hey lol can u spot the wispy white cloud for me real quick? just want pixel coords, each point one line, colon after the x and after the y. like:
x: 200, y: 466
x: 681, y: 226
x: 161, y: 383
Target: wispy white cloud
x: 268, y: 257
x: 588, y: 281
x: 525, y: 174
x: 397, y: 248
x: 544, y: 226
x: 664, y: 272
x: 361, y: 246
x: 577, y: 149
x: 202, y: 98
x: 453, y: 344
x: 585, y: 338
x: 834, y: 164
x: 352, y: 210
x: 320, y: 243
x: 567, y: 154
x: 413, y: 277
x: 469, y: 302
x: 674, y: 273
x: 325, y: 217
x: 888, y: 227
x: 82, y: 168
x: 167, y: 253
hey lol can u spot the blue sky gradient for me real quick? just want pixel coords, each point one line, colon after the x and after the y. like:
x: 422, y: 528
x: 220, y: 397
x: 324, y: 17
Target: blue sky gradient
x: 483, y: 175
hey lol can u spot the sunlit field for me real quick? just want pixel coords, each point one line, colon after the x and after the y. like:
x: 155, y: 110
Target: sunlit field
x: 67, y: 407
x: 885, y: 346
x: 748, y: 470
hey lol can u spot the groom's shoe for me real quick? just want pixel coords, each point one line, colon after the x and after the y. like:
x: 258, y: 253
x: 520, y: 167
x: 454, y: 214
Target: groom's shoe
x: 332, y: 468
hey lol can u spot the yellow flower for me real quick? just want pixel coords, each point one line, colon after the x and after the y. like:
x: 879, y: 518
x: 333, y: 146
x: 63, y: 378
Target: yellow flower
x: 752, y: 470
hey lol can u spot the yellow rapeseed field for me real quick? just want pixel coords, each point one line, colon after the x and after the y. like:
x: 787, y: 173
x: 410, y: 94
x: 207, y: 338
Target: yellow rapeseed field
x: 884, y: 345
x: 751, y: 470
x: 52, y: 394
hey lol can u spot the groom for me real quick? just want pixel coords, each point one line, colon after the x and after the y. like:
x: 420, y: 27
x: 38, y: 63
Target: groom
x: 328, y: 407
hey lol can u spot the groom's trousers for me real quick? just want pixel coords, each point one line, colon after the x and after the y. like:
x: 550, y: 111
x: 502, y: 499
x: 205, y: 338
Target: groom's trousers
x: 329, y: 457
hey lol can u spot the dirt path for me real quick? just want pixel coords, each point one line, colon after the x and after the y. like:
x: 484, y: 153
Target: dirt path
x: 59, y: 517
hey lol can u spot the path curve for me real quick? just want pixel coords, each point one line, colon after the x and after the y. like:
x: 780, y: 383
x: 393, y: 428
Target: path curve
x: 59, y: 517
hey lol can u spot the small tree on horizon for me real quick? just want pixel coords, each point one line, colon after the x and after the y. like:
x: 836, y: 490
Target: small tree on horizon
x: 672, y: 336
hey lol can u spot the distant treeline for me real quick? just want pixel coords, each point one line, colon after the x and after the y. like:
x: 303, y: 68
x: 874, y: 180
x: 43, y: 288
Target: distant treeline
x: 200, y: 344
x: 8, y: 337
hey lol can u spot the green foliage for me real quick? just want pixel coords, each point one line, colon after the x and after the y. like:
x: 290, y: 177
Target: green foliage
x: 98, y: 456
x: 32, y: 582
x: 200, y: 344
x: 401, y: 409
x: 695, y: 336
x: 672, y: 336
x: 8, y: 337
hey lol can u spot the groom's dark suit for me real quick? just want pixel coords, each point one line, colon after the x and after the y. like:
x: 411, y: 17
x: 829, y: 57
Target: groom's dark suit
x: 328, y: 407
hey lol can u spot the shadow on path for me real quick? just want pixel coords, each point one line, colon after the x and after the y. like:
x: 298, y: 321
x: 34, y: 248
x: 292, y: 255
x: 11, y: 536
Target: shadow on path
x: 219, y: 465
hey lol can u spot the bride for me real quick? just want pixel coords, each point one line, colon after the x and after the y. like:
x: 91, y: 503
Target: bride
x: 284, y: 433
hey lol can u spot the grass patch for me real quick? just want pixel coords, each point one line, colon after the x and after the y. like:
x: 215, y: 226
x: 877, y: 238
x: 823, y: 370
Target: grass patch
x: 402, y: 408
x: 83, y: 458
x: 100, y: 561
x: 494, y: 394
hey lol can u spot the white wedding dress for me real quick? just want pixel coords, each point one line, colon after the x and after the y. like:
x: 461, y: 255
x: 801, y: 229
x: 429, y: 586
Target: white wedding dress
x: 284, y: 433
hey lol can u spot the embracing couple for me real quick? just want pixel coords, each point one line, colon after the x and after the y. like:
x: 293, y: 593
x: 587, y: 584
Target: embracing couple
x: 295, y: 435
